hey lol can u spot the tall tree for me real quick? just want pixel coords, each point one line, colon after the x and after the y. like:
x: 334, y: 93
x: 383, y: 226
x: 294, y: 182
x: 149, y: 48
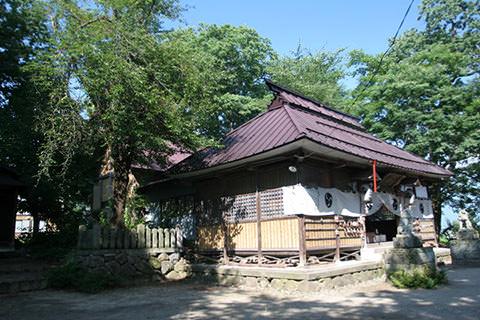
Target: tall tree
x: 109, y: 73
x: 22, y: 33
x: 425, y: 97
x: 316, y: 75
x: 238, y: 57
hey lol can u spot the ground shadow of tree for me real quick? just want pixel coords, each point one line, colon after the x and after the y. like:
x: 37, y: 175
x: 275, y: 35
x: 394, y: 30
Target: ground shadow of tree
x: 459, y: 300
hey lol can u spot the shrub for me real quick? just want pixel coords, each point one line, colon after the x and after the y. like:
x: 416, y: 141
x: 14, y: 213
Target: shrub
x: 426, y: 278
x: 49, y: 245
x: 71, y: 276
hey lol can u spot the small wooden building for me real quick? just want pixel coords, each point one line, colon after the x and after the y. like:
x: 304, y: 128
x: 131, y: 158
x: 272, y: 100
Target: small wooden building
x: 299, y: 180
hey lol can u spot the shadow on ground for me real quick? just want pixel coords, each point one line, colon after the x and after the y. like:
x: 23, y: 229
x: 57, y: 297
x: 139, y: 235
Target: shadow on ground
x: 459, y: 300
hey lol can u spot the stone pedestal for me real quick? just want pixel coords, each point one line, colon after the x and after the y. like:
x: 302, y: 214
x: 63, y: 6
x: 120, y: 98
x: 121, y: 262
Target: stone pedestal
x: 409, y: 258
x: 465, y: 252
x: 407, y: 241
x: 467, y: 234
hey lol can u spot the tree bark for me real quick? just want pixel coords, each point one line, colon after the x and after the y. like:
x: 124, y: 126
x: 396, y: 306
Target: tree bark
x: 36, y: 222
x: 121, y: 166
x: 436, y: 196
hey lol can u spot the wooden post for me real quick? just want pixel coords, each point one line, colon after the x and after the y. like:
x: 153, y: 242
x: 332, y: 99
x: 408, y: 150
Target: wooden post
x: 302, y: 240
x: 179, y: 236
x: 96, y: 236
x: 105, y: 238
x: 225, y: 238
x: 337, y: 240
x: 154, y: 238
x: 82, y: 232
x: 166, y: 238
x: 148, y: 237
x: 141, y: 236
x: 120, y: 241
x: 364, y: 230
x: 259, y: 227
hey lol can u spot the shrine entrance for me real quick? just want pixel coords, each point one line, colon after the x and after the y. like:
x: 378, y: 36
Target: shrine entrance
x: 381, y: 226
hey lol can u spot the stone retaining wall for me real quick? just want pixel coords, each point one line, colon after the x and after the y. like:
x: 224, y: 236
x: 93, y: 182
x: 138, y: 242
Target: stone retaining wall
x: 148, y: 262
x: 291, y: 279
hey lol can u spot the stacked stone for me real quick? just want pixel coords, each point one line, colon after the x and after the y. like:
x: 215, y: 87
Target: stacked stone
x: 172, y: 266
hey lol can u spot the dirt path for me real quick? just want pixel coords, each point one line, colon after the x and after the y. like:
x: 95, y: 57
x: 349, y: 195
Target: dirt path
x: 459, y: 300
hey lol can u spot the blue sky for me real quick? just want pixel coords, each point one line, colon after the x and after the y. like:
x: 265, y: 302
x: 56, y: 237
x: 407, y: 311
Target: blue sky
x: 318, y: 25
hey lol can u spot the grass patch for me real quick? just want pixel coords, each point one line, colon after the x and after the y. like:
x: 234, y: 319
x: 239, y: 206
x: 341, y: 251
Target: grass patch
x: 70, y: 276
x: 426, y: 278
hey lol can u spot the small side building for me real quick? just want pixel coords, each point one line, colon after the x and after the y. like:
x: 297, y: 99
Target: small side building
x: 299, y: 180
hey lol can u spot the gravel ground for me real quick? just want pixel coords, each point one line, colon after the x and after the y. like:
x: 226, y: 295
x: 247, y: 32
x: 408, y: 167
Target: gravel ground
x: 460, y: 299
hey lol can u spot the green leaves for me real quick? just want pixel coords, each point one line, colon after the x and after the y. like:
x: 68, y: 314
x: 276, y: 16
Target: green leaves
x: 316, y: 75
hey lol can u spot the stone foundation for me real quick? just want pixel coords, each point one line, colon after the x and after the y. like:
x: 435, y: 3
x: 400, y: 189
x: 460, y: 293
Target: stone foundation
x: 134, y: 262
x: 465, y: 252
x: 312, y: 279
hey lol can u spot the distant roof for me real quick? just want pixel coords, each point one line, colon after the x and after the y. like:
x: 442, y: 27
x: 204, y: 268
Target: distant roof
x: 171, y: 160
x: 292, y: 117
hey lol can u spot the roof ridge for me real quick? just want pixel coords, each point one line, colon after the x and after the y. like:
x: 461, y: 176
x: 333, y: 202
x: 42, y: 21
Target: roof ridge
x: 358, y: 127
x: 301, y: 129
x: 272, y: 85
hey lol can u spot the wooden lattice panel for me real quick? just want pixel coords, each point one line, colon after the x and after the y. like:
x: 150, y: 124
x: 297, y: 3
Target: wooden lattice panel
x: 272, y: 203
x: 241, y: 207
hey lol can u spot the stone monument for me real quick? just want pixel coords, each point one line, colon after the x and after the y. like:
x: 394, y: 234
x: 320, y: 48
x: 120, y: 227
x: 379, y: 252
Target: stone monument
x: 405, y: 237
x: 408, y: 252
x: 466, y: 232
x: 466, y: 249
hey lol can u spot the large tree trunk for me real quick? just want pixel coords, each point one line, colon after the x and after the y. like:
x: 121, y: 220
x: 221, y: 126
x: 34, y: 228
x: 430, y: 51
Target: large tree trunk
x: 121, y: 166
x: 36, y: 222
x: 436, y: 196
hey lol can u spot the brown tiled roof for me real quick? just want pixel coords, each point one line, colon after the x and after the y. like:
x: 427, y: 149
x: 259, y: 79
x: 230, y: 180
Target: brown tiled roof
x: 171, y: 160
x: 292, y: 117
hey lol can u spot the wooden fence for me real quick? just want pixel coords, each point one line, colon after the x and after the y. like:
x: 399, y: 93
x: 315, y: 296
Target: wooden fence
x: 140, y: 238
x: 332, y: 231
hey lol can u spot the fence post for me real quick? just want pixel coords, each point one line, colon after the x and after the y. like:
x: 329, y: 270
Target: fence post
x: 141, y: 235
x: 96, y: 236
x: 126, y: 238
x: 166, y: 235
x: 120, y: 235
x: 161, y: 238
x: 172, y: 238
x: 105, y: 238
x: 179, y: 234
x: 82, y: 233
x: 133, y: 238
x: 113, y: 236
x: 154, y: 238
x: 148, y: 237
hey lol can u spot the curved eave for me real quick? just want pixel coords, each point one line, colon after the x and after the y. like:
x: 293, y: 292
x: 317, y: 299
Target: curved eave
x: 310, y: 146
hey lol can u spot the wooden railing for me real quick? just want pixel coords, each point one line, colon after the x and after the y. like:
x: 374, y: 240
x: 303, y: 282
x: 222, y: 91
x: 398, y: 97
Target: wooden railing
x: 140, y: 238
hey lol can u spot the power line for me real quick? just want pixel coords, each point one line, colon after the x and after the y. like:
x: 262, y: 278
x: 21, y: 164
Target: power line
x: 383, y: 56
